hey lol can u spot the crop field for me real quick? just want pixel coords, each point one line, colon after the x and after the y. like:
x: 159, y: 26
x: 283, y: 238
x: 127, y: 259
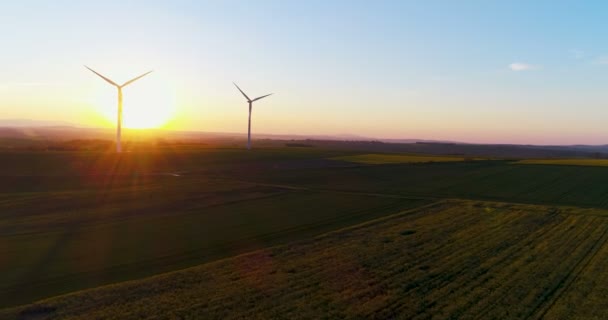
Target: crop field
x: 497, y: 180
x: 61, y: 241
x: 567, y: 162
x: 452, y: 259
x: 376, y: 158
x: 76, y: 220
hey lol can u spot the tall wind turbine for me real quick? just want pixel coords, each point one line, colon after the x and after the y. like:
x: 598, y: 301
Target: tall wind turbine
x: 250, y: 106
x: 119, y: 87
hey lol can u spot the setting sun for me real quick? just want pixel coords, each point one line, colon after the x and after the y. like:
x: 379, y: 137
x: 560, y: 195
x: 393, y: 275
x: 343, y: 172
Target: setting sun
x: 149, y: 104
x: 293, y: 159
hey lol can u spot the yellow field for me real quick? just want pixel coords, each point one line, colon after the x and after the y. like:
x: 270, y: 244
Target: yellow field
x: 452, y: 259
x: 567, y: 162
x: 375, y: 158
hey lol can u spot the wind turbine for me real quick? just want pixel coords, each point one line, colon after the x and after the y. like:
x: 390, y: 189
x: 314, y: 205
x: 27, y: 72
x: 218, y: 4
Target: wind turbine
x: 119, y: 87
x: 250, y: 106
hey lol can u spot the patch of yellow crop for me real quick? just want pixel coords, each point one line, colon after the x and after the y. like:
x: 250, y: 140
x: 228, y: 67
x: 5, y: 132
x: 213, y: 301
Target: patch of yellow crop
x: 567, y: 162
x: 397, y: 158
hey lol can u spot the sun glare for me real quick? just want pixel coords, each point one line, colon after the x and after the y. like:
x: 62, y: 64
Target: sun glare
x: 146, y: 105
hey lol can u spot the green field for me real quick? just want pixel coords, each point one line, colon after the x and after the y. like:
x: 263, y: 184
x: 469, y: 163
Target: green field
x: 397, y: 158
x: 453, y: 259
x: 78, y: 220
x: 83, y: 238
x: 583, y: 186
x: 567, y: 162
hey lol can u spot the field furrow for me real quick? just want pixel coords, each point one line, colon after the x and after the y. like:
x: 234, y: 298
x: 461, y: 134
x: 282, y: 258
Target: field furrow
x: 449, y: 260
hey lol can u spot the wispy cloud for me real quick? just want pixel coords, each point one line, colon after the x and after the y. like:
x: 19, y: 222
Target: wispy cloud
x: 520, y: 66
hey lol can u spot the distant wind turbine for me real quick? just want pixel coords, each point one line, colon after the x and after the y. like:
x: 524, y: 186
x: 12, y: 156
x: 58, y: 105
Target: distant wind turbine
x: 119, y: 87
x: 250, y: 106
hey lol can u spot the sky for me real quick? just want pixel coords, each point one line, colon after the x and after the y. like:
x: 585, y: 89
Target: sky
x: 533, y: 72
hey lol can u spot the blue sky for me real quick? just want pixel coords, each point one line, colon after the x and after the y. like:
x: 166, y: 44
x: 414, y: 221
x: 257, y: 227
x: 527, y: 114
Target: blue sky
x: 479, y: 71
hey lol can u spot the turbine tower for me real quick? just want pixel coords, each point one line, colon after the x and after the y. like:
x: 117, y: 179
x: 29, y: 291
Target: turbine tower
x: 119, y: 87
x: 250, y: 106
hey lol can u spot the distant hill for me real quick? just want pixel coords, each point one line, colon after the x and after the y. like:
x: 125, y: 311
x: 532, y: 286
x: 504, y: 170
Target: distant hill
x: 42, y: 134
x: 33, y: 123
x: 25, y: 128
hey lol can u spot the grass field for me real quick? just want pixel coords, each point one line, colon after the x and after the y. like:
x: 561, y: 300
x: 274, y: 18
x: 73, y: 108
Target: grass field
x: 377, y: 158
x: 453, y: 259
x: 77, y: 220
x: 567, y: 162
x: 583, y: 186
x: 56, y: 242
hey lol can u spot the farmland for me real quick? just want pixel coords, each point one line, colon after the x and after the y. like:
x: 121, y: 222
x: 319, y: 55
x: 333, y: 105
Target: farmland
x: 137, y: 231
x: 451, y: 259
x: 77, y: 220
x: 497, y: 180
x: 567, y: 162
x: 396, y: 158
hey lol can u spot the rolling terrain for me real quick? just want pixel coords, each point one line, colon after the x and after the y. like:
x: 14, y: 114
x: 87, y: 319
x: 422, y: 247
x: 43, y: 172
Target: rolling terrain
x: 106, y: 220
x: 77, y: 220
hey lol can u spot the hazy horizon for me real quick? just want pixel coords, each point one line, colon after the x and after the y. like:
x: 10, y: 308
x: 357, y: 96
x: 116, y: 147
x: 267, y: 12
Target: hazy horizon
x: 491, y: 72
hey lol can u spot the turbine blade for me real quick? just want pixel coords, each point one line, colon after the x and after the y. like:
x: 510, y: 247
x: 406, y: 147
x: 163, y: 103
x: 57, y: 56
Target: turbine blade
x: 106, y: 79
x: 135, y: 79
x: 262, y: 97
x: 246, y: 97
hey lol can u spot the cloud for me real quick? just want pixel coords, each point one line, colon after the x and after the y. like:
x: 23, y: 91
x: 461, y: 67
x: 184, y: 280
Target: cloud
x: 519, y: 66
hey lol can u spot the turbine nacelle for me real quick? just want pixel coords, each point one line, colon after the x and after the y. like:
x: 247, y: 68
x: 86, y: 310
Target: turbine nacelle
x: 250, y: 101
x: 119, y: 87
x: 114, y: 83
x: 247, y: 97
